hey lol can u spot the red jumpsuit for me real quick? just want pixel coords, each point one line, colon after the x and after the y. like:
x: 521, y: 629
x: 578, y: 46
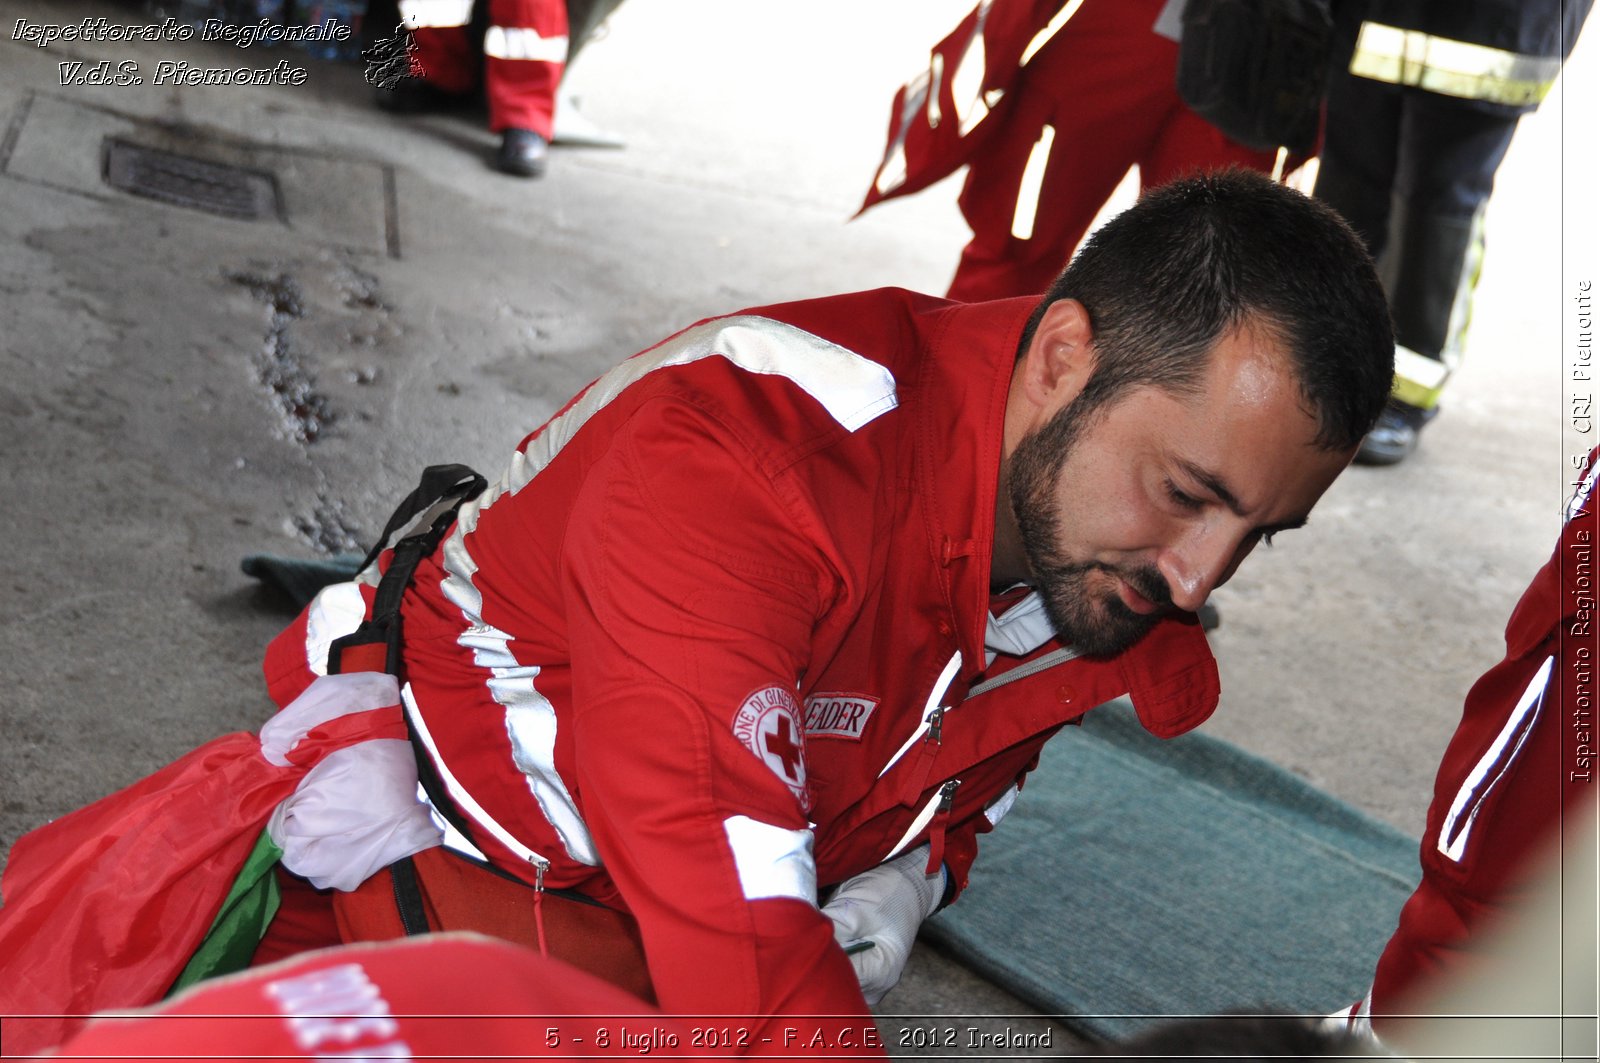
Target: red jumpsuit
x: 524, y: 51
x: 1047, y: 137
x: 718, y: 637
x: 1520, y: 764
x: 439, y: 997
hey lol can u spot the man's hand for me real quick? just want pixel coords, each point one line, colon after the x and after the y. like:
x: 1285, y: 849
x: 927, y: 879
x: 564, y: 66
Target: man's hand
x: 884, y: 907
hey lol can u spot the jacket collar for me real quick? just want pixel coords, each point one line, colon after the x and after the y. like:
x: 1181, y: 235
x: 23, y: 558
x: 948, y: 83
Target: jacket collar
x: 960, y: 390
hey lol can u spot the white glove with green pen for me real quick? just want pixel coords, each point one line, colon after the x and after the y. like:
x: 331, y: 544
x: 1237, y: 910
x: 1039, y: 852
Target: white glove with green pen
x: 876, y: 916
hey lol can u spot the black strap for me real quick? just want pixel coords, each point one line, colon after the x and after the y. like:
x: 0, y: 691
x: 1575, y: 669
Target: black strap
x: 455, y: 484
x: 408, y: 897
x: 438, y: 483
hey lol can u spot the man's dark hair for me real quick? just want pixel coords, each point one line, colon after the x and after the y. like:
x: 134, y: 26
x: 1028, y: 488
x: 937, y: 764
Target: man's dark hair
x: 1196, y: 258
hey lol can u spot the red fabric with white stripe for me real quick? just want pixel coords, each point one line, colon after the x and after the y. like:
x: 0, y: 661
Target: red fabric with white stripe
x: 104, y: 906
x: 1507, y: 776
x: 448, y: 996
x: 1105, y: 83
x: 787, y: 505
x: 523, y: 56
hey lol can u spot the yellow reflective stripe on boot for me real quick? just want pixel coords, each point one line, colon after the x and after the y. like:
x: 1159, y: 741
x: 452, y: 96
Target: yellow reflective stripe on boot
x: 1452, y: 68
x: 1418, y: 379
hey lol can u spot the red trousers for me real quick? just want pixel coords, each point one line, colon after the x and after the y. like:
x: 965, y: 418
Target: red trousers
x: 1105, y: 87
x: 524, y: 52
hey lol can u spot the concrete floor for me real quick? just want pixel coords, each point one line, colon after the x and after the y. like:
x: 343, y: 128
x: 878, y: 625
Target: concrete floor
x: 415, y: 307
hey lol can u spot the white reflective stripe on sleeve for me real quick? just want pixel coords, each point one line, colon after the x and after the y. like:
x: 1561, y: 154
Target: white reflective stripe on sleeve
x: 336, y: 611
x: 940, y: 687
x: 1027, y: 209
x: 1475, y: 790
x: 458, y: 793
x: 435, y: 14
x: 854, y: 390
x: 892, y: 171
x: 1042, y: 38
x: 1000, y: 806
x: 934, y: 86
x: 923, y: 819
x: 531, y: 726
x: 530, y: 719
x: 509, y: 42
x: 772, y: 861
x: 966, y: 80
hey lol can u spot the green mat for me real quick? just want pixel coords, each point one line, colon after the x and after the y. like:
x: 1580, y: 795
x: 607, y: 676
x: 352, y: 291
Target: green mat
x: 1137, y: 878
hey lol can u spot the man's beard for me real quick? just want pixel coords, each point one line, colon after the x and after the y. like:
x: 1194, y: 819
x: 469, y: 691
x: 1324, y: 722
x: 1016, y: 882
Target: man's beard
x: 1096, y: 624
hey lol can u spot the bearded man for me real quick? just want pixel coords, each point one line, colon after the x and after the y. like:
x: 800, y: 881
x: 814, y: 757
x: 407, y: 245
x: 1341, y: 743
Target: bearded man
x: 718, y: 685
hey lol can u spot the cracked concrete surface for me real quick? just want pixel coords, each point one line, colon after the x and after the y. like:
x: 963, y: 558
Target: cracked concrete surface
x: 441, y: 311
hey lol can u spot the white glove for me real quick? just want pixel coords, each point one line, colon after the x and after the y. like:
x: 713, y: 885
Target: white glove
x: 884, y: 906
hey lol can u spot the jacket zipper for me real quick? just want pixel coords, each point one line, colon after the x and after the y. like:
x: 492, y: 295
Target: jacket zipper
x: 1023, y: 671
x: 928, y: 753
x: 936, y: 814
x: 941, y: 818
x: 540, y: 866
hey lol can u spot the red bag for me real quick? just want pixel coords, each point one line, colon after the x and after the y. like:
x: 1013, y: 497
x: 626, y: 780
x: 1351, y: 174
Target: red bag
x: 105, y: 905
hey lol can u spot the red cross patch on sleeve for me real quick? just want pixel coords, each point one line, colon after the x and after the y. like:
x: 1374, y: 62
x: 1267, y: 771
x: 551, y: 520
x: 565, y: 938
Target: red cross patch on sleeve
x: 768, y: 723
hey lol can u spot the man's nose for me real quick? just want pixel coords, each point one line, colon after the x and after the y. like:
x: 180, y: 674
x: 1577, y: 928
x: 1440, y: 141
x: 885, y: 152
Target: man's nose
x: 1197, y: 566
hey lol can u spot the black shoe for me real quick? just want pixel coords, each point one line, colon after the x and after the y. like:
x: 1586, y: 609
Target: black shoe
x: 522, y: 152
x: 1396, y: 434
x: 416, y: 96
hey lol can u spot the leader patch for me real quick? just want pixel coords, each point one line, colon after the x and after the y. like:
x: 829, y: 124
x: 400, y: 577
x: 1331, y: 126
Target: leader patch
x: 768, y: 723
x: 838, y: 715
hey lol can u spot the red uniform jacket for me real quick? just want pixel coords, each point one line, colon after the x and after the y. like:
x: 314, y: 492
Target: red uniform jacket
x: 939, y: 119
x: 717, y: 636
x: 1520, y: 762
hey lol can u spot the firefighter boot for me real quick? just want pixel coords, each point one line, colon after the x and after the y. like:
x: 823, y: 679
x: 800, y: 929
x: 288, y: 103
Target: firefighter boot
x: 1429, y: 271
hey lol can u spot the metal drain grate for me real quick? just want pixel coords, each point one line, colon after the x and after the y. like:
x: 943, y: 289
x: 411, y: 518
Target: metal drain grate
x: 197, y: 184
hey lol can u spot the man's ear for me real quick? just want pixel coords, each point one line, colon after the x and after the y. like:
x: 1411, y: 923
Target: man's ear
x: 1060, y: 357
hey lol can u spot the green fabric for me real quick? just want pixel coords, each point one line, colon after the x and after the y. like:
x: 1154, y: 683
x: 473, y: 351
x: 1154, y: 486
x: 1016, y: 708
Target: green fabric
x: 1137, y: 878
x: 251, y: 903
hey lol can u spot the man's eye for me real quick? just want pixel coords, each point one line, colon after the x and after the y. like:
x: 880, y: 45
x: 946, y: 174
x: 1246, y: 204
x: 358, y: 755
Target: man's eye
x: 1184, y: 501
x: 1266, y: 539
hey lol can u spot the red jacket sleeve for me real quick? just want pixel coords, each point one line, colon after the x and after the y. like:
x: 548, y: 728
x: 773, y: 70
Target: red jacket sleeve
x: 1519, y: 763
x: 688, y: 638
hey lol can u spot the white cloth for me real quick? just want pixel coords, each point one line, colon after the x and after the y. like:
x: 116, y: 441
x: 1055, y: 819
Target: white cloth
x: 357, y: 811
x: 327, y: 698
x: 1019, y: 631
